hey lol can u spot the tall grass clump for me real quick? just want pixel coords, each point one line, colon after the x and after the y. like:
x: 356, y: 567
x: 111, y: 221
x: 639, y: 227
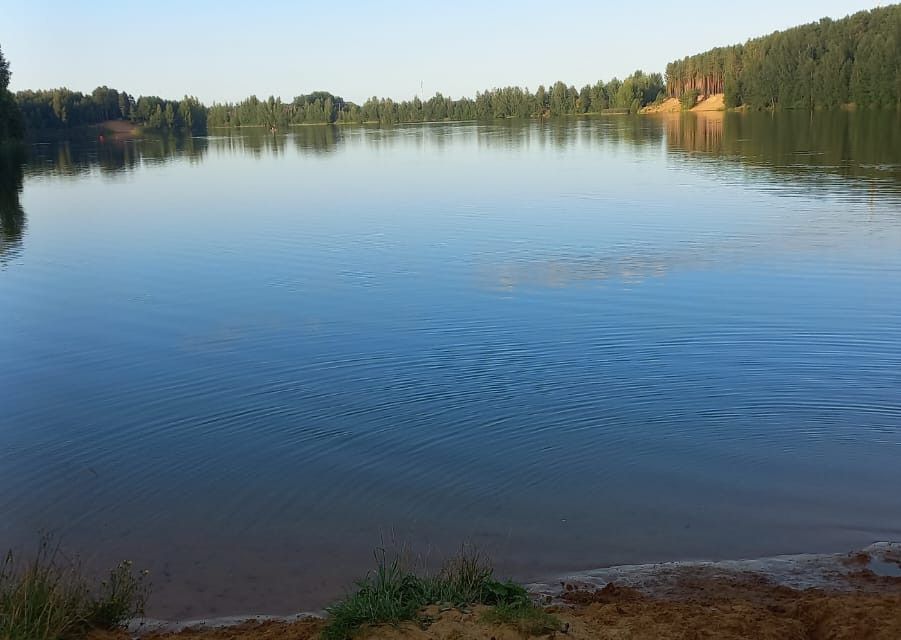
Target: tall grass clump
x: 49, y: 598
x: 395, y: 592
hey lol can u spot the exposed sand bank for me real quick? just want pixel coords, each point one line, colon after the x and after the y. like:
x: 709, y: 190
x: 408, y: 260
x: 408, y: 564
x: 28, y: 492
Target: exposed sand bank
x: 715, y: 102
x: 803, y: 597
x: 670, y: 105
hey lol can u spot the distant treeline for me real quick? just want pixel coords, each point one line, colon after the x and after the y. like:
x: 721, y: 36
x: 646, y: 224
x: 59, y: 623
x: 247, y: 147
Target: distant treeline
x: 630, y: 94
x: 61, y: 109
x: 825, y: 64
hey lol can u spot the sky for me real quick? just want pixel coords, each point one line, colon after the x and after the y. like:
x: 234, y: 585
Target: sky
x: 226, y: 50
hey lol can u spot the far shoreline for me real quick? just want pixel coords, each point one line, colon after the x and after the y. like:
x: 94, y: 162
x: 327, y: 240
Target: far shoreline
x: 124, y: 130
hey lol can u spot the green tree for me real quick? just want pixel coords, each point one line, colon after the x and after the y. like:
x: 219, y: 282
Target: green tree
x: 4, y: 72
x: 126, y: 104
x: 169, y: 117
x: 155, y: 121
x: 11, y: 126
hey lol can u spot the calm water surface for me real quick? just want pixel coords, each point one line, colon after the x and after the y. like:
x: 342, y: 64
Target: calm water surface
x: 242, y: 361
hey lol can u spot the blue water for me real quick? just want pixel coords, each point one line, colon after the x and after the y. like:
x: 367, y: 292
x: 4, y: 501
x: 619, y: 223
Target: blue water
x: 243, y: 361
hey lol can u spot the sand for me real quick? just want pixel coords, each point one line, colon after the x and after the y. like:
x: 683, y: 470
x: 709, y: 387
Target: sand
x: 670, y: 105
x: 689, y: 601
x: 739, y: 609
x: 715, y: 102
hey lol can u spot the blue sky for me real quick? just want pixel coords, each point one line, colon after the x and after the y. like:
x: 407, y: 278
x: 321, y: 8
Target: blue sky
x: 227, y: 50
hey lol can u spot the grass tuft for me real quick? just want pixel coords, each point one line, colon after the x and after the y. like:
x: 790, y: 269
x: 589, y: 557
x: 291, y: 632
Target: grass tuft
x: 395, y: 592
x: 48, y: 597
x: 390, y: 594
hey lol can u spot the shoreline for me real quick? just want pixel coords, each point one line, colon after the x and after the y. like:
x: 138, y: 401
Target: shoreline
x: 836, y: 571
x: 871, y: 572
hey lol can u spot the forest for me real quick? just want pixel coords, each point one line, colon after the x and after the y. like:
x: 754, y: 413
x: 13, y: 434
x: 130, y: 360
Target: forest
x: 58, y: 109
x: 825, y: 64
x: 630, y: 94
x: 62, y: 109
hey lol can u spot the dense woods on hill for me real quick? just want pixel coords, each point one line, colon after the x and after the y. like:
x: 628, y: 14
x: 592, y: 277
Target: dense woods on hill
x: 58, y: 109
x: 820, y: 65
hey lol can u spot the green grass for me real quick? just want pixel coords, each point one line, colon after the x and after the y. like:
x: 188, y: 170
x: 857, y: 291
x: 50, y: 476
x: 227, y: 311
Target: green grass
x: 394, y: 592
x: 530, y: 619
x: 49, y: 598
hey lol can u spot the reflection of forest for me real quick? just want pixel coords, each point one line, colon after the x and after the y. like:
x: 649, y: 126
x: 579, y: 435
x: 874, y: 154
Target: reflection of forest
x: 556, y: 133
x: 792, y: 145
x: 111, y: 156
x: 795, y: 146
x: 12, y: 217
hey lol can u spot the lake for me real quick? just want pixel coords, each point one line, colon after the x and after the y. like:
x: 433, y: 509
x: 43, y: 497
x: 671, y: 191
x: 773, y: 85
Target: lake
x: 246, y: 360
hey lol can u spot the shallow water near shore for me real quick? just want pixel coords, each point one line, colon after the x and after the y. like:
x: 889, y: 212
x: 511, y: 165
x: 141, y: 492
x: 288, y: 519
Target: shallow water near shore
x: 241, y: 361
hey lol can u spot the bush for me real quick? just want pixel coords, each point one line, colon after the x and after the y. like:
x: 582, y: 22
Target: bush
x: 689, y: 99
x: 120, y: 598
x: 48, y: 598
